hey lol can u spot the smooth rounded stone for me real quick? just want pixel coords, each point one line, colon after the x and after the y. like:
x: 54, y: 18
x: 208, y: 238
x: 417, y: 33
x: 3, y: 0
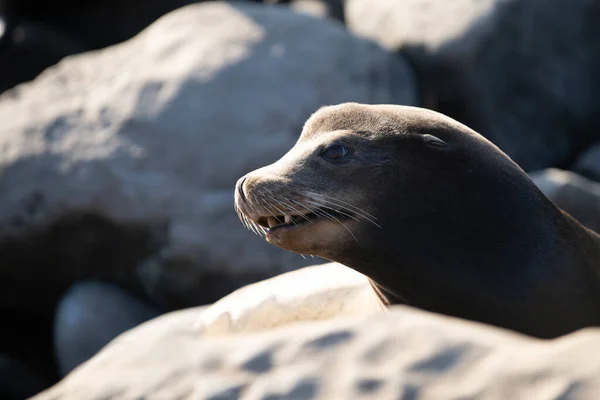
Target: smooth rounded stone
x: 314, y: 293
x: 588, y: 163
x: 17, y: 380
x: 524, y: 73
x: 89, y: 316
x: 333, y: 9
x: 405, y: 353
x: 575, y: 194
x: 121, y: 163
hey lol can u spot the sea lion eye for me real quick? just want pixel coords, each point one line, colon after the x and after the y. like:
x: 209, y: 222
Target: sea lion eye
x: 335, y: 152
x: 434, y: 141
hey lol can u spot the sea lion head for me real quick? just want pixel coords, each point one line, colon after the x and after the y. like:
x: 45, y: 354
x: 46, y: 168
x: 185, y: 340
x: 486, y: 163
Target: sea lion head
x: 359, y: 172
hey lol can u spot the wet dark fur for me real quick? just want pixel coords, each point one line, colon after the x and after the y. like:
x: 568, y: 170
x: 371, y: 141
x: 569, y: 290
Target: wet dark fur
x: 464, y: 231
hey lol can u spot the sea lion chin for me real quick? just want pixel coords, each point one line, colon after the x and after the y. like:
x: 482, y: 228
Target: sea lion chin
x: 433, y: 213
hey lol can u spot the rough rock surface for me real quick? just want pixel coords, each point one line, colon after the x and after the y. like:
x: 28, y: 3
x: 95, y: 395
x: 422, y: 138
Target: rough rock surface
x: 89, y: 316
x: 92, y: 313
x: 524, y: 73
x: 402, y: 354
x: 120, y: 164
x: 575, y: 194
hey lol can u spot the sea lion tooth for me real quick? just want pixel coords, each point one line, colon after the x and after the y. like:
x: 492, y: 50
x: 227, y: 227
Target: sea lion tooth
x: 272, y: 221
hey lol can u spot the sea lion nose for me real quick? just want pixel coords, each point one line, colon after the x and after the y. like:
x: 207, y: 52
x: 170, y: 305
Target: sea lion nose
x: 240, y: 187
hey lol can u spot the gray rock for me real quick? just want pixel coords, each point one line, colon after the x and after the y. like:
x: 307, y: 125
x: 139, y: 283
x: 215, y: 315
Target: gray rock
x: 333, y: 9
x: 120, y: 164
x: 524, y: 73
x: 403, y: 354
x: 575, y: 194
x: 588, y: 163
x: 18, y: 380
x: 89, y: 316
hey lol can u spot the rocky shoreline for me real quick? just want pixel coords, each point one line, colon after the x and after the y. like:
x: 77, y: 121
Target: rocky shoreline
x: 117, y: 166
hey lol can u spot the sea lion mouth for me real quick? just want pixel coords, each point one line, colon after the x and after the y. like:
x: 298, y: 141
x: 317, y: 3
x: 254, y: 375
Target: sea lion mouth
x: 267, y: 214
x: 275, y: 222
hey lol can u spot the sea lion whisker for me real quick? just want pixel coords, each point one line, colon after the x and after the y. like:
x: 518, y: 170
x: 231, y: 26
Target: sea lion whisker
x: 242, y: 218
x: 270, y: 207
x: 246, y: 222
x: 282, y: 213
x: 310, y: 210
x: 323, y: 205
x: 339, y: 208
x: 289, y: 208
x: 349, y: 206
x: 250, y: 225
x: 253, y: 227
x: 275, y: 199
x: 298, y: 212
x: 286, y: 217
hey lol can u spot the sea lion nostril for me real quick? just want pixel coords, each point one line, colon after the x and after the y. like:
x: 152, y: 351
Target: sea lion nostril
x: 240, y: 188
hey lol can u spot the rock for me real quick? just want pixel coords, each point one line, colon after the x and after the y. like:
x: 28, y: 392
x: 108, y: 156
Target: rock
x: 17, y: 380
x: 89, y: 316
x: 96, y: 24
x: 314, y: 293
x: 119, y: 164
x: 521, y: 72
x: 28, y: 47
x: 406, y: 353
x: 333, y: 9
x: 27, y: 362
x: 575, y: 194
x: 588, y: 163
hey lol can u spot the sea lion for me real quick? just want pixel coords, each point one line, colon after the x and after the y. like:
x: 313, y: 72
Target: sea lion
x: 433, y: 213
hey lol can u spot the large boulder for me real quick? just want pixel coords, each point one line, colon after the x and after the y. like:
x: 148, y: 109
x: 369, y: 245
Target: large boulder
x: 405, y: 353
x: 524, y: 73
x: 333, y: 9
x: 89, y: 316
x: 575, y: 194
x: 314, y: 293
x: 120, y: 164
x: 588, y: 163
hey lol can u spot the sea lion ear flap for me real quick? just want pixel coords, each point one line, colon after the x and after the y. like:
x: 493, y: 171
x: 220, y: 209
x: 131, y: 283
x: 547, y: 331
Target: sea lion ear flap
x: 434, y: 141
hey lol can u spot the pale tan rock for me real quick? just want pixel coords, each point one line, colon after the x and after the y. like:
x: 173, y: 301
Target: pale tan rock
x: 313, y: 293
x: 402, y: 354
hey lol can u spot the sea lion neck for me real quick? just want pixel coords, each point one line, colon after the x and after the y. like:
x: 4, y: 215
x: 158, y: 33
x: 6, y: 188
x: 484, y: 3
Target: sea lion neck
x: 486, y: 267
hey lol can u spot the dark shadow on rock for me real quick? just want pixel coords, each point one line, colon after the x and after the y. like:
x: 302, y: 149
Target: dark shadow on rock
x: 530, y: 87
x: 19, y: 381
x: 89, y: 316
x: 39, y: 267
x: 306, y: 388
